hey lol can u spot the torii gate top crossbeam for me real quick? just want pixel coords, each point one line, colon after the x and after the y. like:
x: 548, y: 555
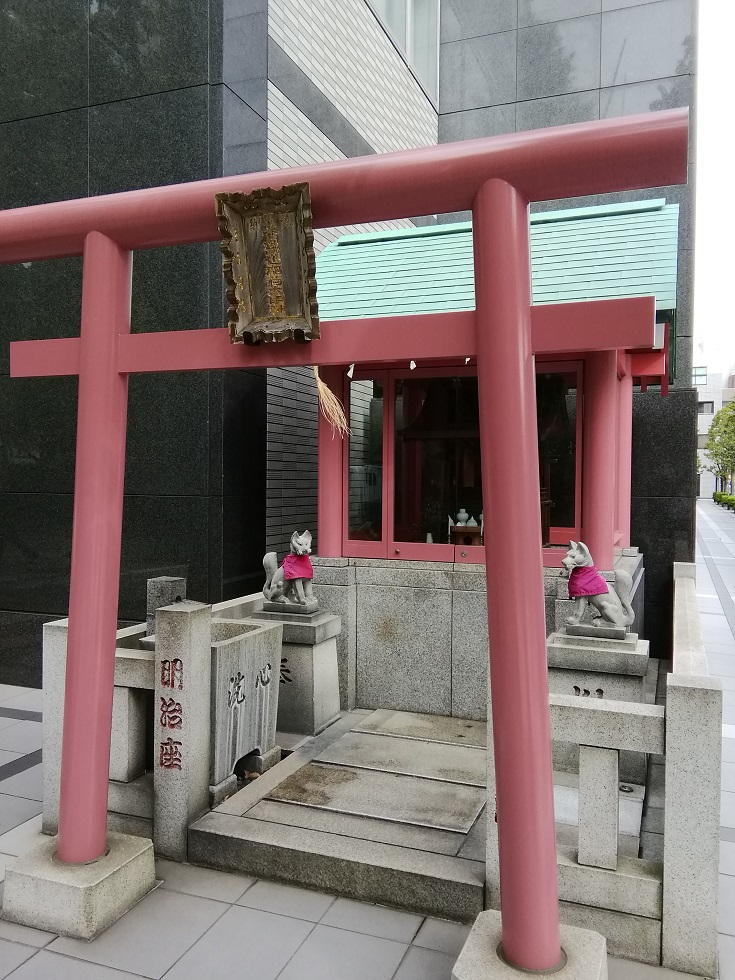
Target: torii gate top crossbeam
x: 560, y: 162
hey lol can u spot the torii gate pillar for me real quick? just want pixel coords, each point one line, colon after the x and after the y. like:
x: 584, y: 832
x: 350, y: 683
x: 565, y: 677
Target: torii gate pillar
x: 506, y: 386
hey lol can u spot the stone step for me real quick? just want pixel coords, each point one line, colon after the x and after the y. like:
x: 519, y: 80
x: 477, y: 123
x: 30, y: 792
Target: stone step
x: 427, y: 883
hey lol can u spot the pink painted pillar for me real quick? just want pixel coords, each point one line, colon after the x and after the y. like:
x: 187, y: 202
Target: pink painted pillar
x: 330, y: 507
x: 95, y: 556
x: 625, y: 447
x: 517, y: 629
x: 600, y: 461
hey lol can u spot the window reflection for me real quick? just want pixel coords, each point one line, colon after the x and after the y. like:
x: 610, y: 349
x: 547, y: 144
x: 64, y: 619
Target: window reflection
x: 366, y: 461
x: 556, y: 415
x: 433, y: 432
x: 437, y: 461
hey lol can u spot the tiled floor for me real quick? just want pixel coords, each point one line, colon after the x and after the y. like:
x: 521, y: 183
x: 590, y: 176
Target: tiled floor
x: 201, y: 923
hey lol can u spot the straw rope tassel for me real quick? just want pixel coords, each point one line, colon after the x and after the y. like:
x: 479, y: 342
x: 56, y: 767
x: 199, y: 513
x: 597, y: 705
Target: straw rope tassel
x: 331, y: 407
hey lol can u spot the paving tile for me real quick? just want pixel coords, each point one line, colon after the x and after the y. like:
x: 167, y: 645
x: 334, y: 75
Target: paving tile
x: 6, y: 723
x: 14, y: 811
x: 8, y: 691
x: 721, y: 664
x: 54, y: 966
x: 336, y: 954
x: 26, y: 736
x: 244, y: 943
x: 25, y: 935
x: 372, y: 920
x: 727, y: 809
x: 628, y: 970
x: 728, y: 750
x: 11, y: 956
x: 8, y: 756
x: 425, y: 964
x: 298, y: 903
x: 727, y: 957
x: 217, y: 885
x: 726, y: 911
x: 23, y: 837
x: 4, y: 861
x: 151, y: 937
x: 727, y: 857
x: 27, y: 784
x: 25, y: 701
x: 442, y: 935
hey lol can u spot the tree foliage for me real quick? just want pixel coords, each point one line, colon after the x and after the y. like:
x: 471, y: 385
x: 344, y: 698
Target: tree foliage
x: 720, y: 445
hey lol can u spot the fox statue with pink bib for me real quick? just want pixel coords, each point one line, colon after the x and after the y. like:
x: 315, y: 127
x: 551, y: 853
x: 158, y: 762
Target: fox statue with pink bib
x: 611, y: 605
x: 292, y: 582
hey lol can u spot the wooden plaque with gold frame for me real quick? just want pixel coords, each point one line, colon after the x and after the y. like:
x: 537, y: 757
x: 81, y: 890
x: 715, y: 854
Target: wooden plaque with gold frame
x: 269, y: 264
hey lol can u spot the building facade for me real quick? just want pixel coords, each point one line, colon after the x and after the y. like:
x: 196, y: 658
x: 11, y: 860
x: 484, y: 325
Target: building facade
x: 714, y: 391
x: 109, y: 96
x: 509, y: 67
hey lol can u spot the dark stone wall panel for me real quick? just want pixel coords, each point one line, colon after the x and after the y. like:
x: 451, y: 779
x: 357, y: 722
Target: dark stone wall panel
x: 43, y: 159
x: 21, y: 651
x: 40, y: 300
x: 664, y: 444
x: 170, y: 289
x: 35, y: 551
x: 162, y: 536
x: 43, y: 56
x: 168, y: 417
x: 139, y: 48
x: 158, y: 139
x: 243, y: 547
x: 663, y: 528
x: 38, y: 422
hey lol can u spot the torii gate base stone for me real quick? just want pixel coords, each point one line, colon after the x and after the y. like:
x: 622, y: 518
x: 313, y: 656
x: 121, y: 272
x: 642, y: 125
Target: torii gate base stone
x: 95, y: 876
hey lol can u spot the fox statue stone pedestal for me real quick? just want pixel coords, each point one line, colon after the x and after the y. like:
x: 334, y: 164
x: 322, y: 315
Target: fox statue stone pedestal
x: 309, y: 679
x: 601, y: 658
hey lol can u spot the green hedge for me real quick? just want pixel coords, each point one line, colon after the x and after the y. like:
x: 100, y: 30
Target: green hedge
x: 726, y: 499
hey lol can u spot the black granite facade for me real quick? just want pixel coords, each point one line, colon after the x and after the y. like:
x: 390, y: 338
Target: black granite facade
x: 102, y: 96
x: 510, y: 67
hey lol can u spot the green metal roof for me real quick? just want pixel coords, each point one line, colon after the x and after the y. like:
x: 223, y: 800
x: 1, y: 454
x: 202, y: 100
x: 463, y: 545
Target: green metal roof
x: 602, y: 252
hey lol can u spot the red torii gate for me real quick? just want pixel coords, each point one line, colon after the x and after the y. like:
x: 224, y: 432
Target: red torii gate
x: 496, y: 178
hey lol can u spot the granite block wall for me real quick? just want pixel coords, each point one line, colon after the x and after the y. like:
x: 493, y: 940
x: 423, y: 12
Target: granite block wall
x: 99, y: 98
x: 510, y: 67
x: 664, y: 482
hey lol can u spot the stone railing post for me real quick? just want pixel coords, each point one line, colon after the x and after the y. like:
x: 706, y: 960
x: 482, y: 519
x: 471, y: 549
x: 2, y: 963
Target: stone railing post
x: 598, y: 807
x: 181, y: 724
x: 692, y: 795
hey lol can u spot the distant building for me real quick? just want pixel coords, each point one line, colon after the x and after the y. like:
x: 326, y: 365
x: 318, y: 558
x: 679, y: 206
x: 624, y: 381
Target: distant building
x: 713, y: 392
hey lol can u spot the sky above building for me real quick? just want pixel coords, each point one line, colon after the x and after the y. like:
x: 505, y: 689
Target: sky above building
x: 714, y: 331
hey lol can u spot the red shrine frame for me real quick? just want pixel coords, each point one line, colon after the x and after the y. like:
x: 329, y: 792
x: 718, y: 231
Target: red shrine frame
x: 496, y: 177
